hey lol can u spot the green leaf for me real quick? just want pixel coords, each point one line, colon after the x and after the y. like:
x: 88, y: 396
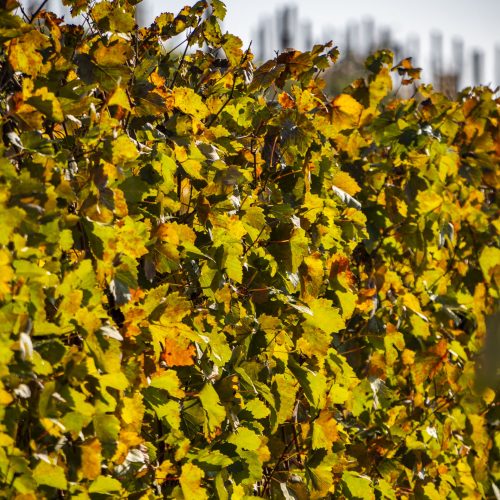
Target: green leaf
x: 218, y: 9
x: 50, y: 475
x: 324, y: 316
x: 105, y: 485
x: 215, y: 413
x: 313, y: 383
x: 106, y: 427
x: 168, y: 381
x: 257, y: 408
x: 244, y: 439
x: 357, y: 486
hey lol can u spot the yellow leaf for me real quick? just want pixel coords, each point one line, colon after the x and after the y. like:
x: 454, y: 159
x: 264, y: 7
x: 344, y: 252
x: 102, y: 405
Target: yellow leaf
x: 311, y: 276
x: 132, y: 238
x: 177, y: 307
x: 6, y: 273
x: 168, y: 381
x: 345, y: 182
x: 6, y: 440
x: 24, y: 52
x: 287, y: 388
x: 173, y: 236
x: 164, y: 470
x: 50, y: 475
x: 325, y: 316
x: 123, y: 150
x: 234, y: 267
x: 325, y: 431
x: 408, y: 357
x: 380, y: 87
x: 133, y: 411
x: 347, y: 302
x: 314, y: 342
x: 120, y: 203
x: 214, y: 411
x: 420, y: 327
x: 120, y: 98
x: 238, y: 492
x: 52, y: 426
x: 189, y: 102
x: 190, y: 482
x: 489, y: 262
x: 91, y: 459
x: 346, y: 112
x: 410, y: 301
x: 429, y: 201
x: 116, y: 53
x: 71, y: 303
x: 448, y: 165
x: 5, y: 397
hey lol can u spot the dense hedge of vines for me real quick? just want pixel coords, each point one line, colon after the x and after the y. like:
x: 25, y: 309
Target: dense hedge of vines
x: 217, y: 282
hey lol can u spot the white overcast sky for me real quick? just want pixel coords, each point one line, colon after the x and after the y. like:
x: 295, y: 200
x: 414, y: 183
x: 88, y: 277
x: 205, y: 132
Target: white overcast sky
x: 476, y: 21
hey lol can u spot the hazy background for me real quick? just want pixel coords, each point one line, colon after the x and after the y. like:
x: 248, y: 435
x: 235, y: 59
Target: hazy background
x: 472, y: 25
x: 477, y: 23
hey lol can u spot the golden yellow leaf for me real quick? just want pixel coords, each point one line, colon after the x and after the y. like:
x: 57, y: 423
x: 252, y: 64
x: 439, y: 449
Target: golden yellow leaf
x: 410, y: 301
x: 6, y: 273
x: 5, y: 397
x: 429, y: 201
x: 345, y: 182
x: 71, y: 303
x: 189, y: 102
x: 190, y: 482
x: 314, y: 342
x: 325, y: 430
x: 120, y: 98
x: 91, y: 459
x: 346, y: 112
x: 116, y: 53
x: 124, y: 150
x: 24, y: 52
x: 311, y: 276
x: 489, y: 261
x: 133, y: 411
x: 174, y: 233
x: 165, y: 469
x: 120, y: 203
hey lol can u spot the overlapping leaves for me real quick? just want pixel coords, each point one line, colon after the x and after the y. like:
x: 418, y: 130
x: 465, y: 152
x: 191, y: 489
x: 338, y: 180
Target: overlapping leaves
x: 216, y: 281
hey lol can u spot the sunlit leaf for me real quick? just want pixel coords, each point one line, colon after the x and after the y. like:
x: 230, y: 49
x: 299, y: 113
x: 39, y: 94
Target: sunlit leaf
x: 190, y: 482
x: 214, y: 411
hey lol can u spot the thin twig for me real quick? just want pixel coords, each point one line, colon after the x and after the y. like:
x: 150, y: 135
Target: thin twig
x: 37, y: 11
x: 26, y: 17
x: 181, y: 62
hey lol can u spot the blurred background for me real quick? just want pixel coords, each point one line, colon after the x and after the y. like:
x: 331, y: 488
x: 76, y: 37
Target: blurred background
x: 456, y: 42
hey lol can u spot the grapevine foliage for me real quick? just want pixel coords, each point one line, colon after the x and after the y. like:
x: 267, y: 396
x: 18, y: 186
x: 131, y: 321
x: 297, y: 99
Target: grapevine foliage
x: 216, y: 282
